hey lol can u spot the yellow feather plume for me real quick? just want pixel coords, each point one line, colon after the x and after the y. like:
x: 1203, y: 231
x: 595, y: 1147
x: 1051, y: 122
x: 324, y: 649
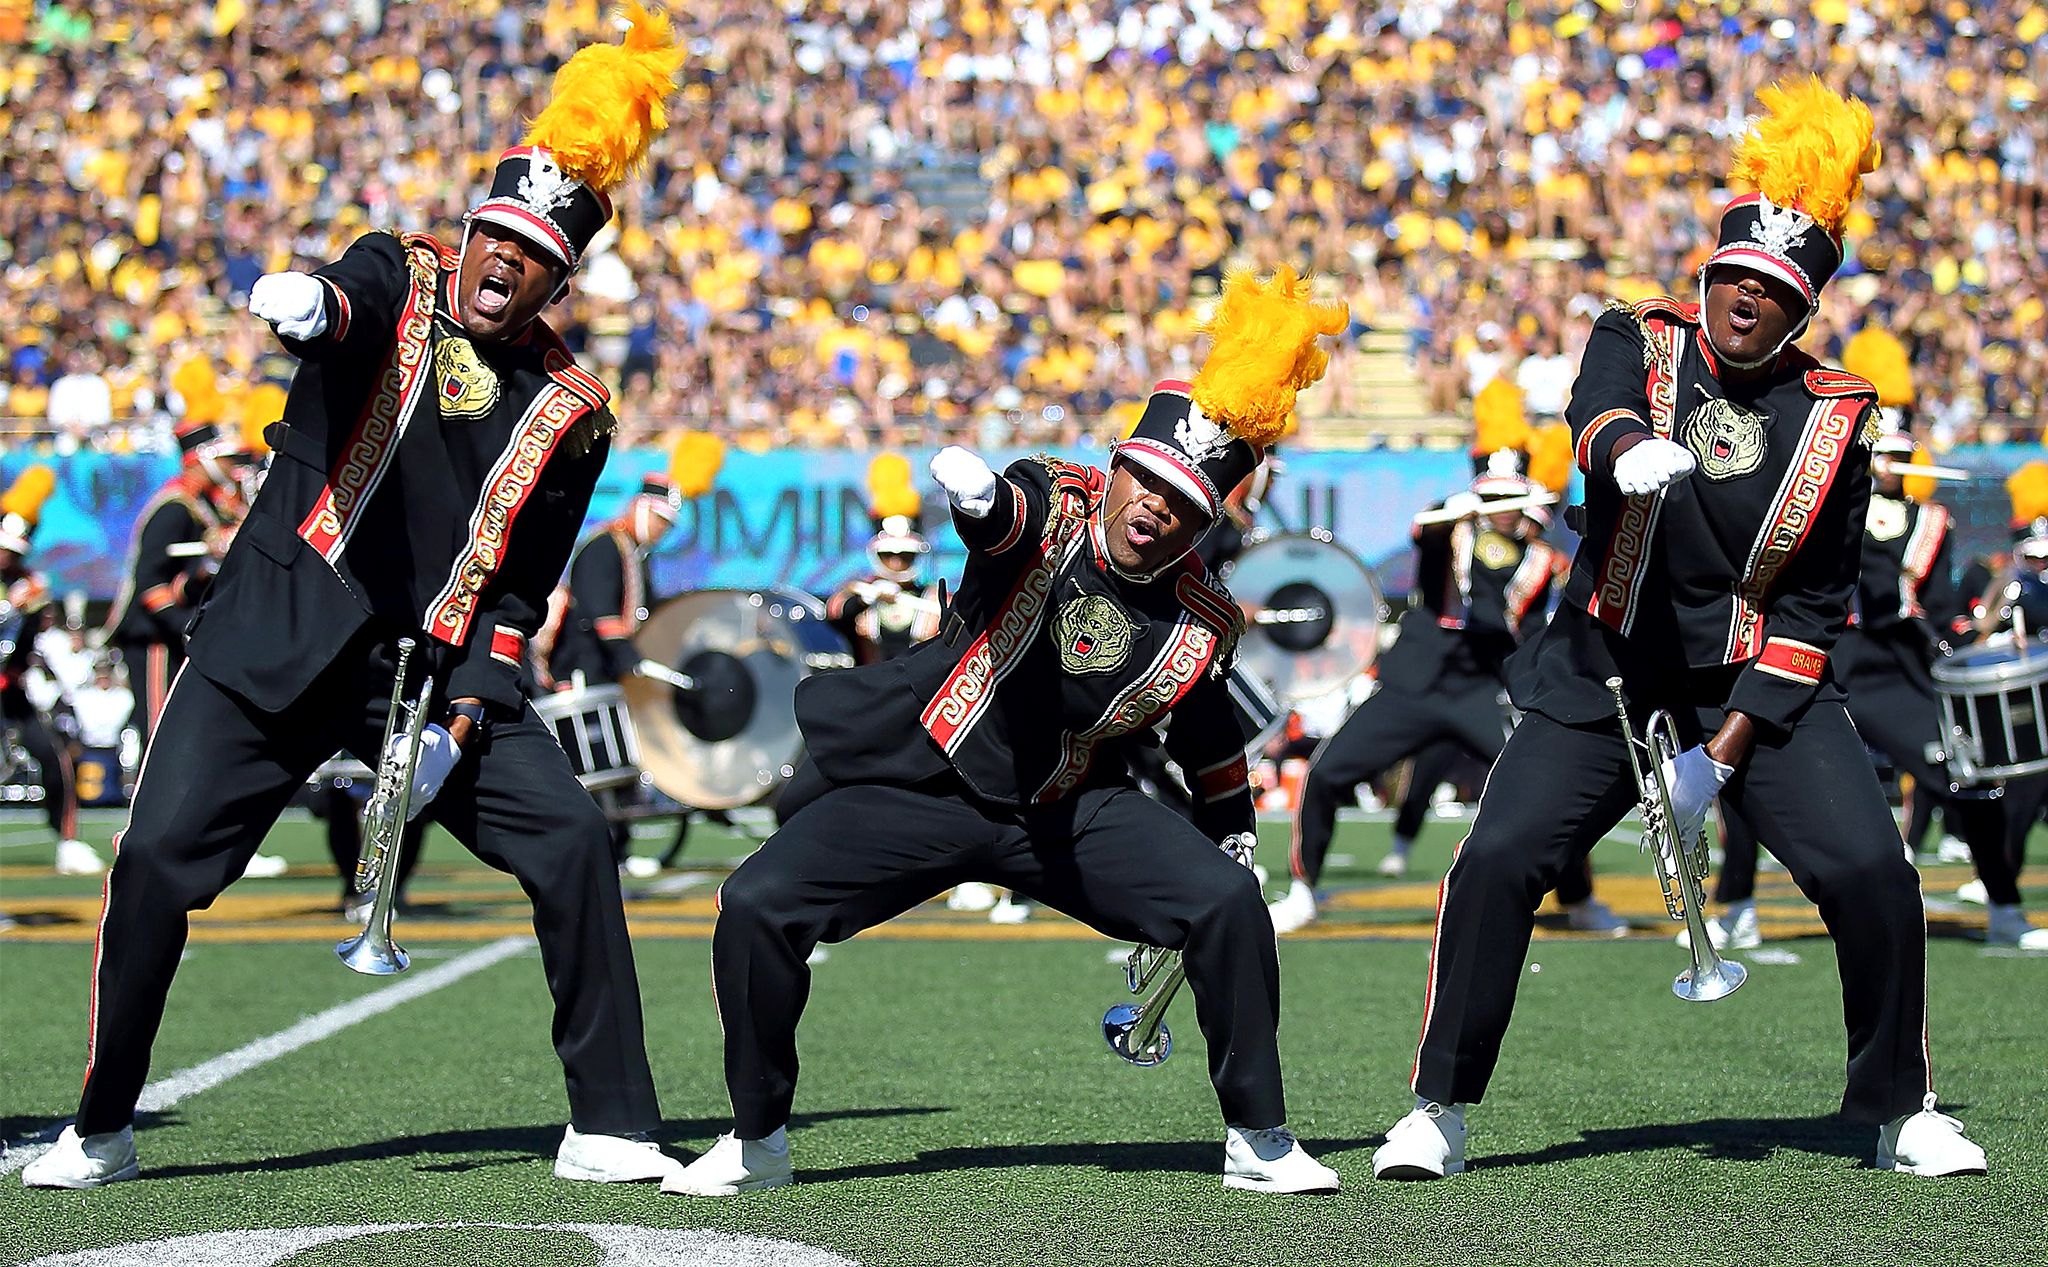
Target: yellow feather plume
x: 1551, y: 461
x: 1497, y: 418
x: 2028, y: 488
x: 1263, y: 350
x: 890, y: 490
x: 1919, y: 487
x: 1809, y: 150
x: 694, y: 463
x: 31, y: 488
x: 1876, y: 354
x: 610, y: 100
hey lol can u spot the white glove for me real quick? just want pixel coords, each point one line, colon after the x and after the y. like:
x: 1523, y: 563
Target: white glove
x: 1653, y: 464
x: 1240, y: 846
x: 295, y: 304
x: 438, y: 754
x: 1695, y: 779
x: 969, y: 483
x: 1463, y: 504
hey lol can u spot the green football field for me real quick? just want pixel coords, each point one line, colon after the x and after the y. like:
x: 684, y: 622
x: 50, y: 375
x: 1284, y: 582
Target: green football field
x: 959, y: 1106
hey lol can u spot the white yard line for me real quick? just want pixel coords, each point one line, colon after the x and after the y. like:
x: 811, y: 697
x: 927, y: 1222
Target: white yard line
x: 207, y: 1074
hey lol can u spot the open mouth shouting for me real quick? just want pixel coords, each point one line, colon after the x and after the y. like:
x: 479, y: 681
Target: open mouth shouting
x: 495, y: 287
x: 1140, y: 528
x: 1744, y: 314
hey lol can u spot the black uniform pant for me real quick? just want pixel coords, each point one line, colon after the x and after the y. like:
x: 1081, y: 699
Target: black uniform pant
x: 1557, y: 789
x: 152, y: 666
x: 855, y: 856
x: 1433, y: 767
x: 1394, y: 723
x: 217, y: 776
x: 52, y: 754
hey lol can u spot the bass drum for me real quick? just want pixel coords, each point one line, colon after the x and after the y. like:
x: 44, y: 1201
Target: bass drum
x: 731, y: 739
x: 1312, y: 613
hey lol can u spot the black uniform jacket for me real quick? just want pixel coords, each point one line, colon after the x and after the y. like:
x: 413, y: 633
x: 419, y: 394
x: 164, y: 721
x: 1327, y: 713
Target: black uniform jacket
x: 1906, y: 598
x: 163, y: 590
x: 883, y: 629
x: 430, y: 482
x: 1475, y: 591
x: 1730, y: 588
x: 607, y: 598
x: 1051, y: 662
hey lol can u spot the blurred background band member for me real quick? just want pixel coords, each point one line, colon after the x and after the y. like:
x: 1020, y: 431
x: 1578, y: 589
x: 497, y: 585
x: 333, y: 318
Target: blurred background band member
x: 437, y: 455
x: 996, y: 751
x: 28, y: 610
x: 1727, y: 479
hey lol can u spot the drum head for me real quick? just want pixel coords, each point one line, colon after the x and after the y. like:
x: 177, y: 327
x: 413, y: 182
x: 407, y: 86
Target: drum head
x: 1312, y: 613
x: 734, y: 739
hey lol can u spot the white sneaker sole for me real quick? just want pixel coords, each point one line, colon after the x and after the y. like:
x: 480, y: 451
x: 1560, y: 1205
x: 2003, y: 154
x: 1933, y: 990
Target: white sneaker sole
x: 1930, y: 1172
x: 677, y: 1188
x: 1246, y: 1183
x: 584, y: 1174
x: 125, y: 1173
x: 1408, y: 1172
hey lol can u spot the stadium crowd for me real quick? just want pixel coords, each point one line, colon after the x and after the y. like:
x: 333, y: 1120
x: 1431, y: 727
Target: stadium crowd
x: 879, y: 221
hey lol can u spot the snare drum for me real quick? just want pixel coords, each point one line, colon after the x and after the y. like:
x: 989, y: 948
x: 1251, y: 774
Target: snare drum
x: 1992, y: 709
x: 591, y: 724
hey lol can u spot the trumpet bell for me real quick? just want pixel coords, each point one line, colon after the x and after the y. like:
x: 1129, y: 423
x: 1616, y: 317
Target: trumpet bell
x: 1715, y: 980
x: 373, y: 956
x: 1120, y: 1030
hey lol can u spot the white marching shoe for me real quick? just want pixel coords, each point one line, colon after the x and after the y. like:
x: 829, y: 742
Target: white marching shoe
x: 612, y: 1159
x: 1427, y: 1144
x: 1973, y: 892
x: 265, y: 866
x: 1927, y: 1143
x: 972, y: 895
x: 1594, y: 916
x: 1733, y: 929
x: 1295, y: 911
x: 1395, y: 864
x: 2008, y: 926
x: 75, y: 857
x: 84, y: 1161
x: 734, y: 1165
x: 1272, y: 1160
x: 1011, y: 910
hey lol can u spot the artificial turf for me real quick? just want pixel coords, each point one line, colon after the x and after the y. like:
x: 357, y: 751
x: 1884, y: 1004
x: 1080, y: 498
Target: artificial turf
x: 959, y: 1106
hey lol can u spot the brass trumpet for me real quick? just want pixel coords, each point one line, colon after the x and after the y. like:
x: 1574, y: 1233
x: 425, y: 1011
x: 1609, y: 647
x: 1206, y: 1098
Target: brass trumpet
x: 372, y: 952
x: 1681, y: 863
x: 1137, y: 1031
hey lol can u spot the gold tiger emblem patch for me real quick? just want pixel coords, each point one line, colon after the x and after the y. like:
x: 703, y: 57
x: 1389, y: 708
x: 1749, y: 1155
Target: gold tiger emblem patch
x: 1094, y: 635
x: 468, y: 388
x: 1727, y: 439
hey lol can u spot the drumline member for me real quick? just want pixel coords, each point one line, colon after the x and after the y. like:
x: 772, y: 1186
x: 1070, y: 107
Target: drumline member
x: 1726, y: 483
x: 996, y: 751
x: 1482, y: 580
x: 1900, y: 618
x: 30, y: 608
x: 437, y: 454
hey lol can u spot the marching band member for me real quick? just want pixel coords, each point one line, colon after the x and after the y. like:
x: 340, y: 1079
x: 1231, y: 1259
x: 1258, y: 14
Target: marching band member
x: 995, y: 752
x: 29, y: 608
x: 886, y: 613
x: 180, y: 538
x: 1480, y: 576
x: 1900, y: 618
x: 1727, y: 475
x: 437, y: 455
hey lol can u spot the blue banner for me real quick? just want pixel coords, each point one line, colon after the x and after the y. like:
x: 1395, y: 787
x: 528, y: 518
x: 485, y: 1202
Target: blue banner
x: 801, y: 518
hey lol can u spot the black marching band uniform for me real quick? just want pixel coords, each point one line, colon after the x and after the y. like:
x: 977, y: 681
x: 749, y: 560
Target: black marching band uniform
x: 997, y: 752
x: 28, y: 609
x: 608, y: 593
x: 889, y: 610
x: 425, y: 486
x: 1478, y: 593
x: 1723, y: 592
